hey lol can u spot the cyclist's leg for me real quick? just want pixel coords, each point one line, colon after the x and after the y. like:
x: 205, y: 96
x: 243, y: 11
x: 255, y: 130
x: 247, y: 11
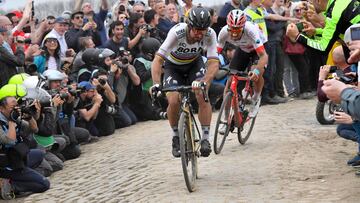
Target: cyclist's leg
x: 172, y: 77
x: 197, y: 72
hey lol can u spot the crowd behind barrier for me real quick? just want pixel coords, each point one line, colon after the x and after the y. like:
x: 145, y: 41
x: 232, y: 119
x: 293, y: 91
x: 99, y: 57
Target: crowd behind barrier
x: 68, y: 80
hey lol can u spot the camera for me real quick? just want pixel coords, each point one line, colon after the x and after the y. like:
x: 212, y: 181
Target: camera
x: 334, y: 72
x: 75, y: 92
x: 111, y: 109
x: 102, y: 81
x: 146, y: 27
x: 123, y: 55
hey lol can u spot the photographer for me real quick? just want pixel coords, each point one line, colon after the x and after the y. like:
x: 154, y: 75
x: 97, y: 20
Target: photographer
x: 64, y: 103
x: 120, y: 74
x: 104, y: 121
x: 18, y: 177
x: 88, y: 108
x: 152, y: 20
x: 136, y: 31
x: 140, y: 99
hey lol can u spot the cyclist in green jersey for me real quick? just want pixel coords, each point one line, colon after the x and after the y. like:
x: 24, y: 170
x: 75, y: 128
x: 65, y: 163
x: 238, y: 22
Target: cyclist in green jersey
x: 339, y: 15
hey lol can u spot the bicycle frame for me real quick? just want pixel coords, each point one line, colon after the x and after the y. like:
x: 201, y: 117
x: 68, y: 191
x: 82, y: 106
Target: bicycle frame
x: 186, y: 107
x: 234, y: 102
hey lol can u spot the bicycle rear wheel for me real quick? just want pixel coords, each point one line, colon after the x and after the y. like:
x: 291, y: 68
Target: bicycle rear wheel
x: 188, y: 153
x: 220, y: 137
x: 245, y: 129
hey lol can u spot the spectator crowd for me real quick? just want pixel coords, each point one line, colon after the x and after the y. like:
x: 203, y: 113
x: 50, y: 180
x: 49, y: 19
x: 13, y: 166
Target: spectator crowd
x: 68, y: 80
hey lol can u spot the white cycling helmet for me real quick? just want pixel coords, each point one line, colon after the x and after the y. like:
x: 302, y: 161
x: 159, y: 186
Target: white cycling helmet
x: 52, y: 75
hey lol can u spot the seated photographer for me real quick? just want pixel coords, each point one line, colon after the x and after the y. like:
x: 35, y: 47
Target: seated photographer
x: 104, y: 121
x: 88, y: 108
x: 139, y: 98
x: 17, y: 176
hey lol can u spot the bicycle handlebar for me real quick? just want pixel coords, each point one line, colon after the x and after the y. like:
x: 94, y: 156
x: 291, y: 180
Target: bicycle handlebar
x: 235, y: 72
x: 185, y: 89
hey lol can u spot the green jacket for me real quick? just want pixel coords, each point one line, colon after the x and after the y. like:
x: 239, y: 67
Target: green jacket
x: 340, y: 15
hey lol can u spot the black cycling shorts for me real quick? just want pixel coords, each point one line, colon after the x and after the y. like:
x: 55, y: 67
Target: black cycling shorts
x: 177, y: 75
x: 242, y: 59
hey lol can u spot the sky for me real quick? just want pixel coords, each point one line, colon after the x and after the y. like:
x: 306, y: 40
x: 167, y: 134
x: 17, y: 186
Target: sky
x: 14, y: 4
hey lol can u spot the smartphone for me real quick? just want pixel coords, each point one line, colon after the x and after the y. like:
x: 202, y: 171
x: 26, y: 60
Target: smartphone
x: 300, y: 26
x: 355, y: 33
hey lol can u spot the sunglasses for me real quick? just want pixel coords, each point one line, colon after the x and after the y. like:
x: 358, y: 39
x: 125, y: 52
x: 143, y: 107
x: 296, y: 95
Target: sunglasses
x: 51, y: 40
x: 199, y: 31
x: 79, y: 17
x: 298, y: 10
x: 236, y: 30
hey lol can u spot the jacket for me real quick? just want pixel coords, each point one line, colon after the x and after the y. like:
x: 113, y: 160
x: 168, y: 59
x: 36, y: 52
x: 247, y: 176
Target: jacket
x: 9, y: 62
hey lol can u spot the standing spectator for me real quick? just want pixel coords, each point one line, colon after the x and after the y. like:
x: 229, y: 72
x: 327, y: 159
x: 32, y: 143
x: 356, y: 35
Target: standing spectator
x: 8, y: 60
x: 136, y: 31
x: 80, y: 29
x: 139, y: 7
x: 165, y: 24
x: 186, y: 8
x: 229, y: 6
x: 59, y: 32
x: 151, y: 4
x: 172, y: 12
x: 273, y: 92
x: 117, y: 38
x: 152, y: 19
x: 298, y: 58
x: 98, y: 18
x: 50, y: 58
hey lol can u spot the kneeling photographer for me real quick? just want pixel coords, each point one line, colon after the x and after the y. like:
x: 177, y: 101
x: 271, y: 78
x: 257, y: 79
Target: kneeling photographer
x: 346, y: 74
x: 17, y: 160
x: 121, y: 72
x: 104, y: 121
x: 63, y: 99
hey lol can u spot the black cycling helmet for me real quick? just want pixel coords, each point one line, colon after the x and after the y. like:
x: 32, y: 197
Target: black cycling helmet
x: 150, y: 46
x: 91, y: 56
x: 199, y: 17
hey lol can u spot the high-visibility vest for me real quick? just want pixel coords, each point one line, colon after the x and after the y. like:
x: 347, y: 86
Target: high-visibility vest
x: 254, y: 17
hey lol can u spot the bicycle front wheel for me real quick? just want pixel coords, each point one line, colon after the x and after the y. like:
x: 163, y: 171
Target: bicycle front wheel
x: 245, y: 129
x: 223, y: 122
x: 188, y: 153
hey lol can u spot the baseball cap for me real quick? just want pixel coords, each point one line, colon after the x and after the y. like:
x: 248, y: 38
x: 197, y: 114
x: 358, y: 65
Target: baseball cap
x: 87, y: 85
x: 61, y: 20
x: 75, y: 13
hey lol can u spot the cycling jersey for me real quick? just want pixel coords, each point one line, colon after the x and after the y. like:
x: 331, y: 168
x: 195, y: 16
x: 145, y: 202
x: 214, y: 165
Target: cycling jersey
x: 178, y: 51
x: 251, y: 39
x: 340, y: 14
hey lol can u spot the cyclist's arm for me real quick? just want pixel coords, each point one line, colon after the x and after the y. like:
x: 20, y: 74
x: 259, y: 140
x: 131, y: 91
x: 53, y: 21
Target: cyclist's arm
x: 221, y: 39
x: 263, y: 60
x: 213, y: 59
x: 160, y: 56
x: 156, y: 69
x: 256, y: 36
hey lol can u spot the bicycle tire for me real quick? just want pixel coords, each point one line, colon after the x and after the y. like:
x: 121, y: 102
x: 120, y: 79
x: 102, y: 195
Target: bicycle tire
x: 188, y: 154
x: 250, y: 122
x: 219, y: 144
x: 320, y: 113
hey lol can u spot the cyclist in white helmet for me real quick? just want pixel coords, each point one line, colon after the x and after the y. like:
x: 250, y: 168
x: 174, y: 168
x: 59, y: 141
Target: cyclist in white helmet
x: 250, y: 47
